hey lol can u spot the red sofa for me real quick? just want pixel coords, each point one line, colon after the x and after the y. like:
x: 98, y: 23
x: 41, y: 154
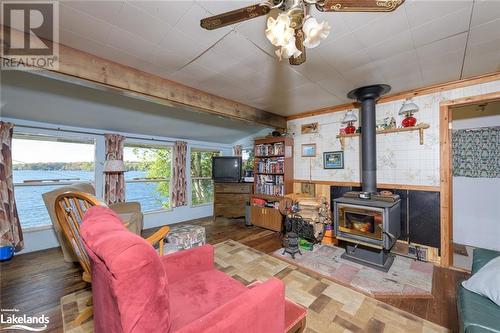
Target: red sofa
x: 135, y: 290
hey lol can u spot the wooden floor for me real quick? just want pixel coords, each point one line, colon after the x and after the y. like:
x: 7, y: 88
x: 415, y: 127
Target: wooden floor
x: 34, y: 282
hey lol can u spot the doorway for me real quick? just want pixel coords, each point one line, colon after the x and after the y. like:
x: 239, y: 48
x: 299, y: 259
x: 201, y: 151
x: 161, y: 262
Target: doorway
x: 465, y: 188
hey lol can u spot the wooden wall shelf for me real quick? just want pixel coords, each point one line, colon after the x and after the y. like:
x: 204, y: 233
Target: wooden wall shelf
x: 420, y: 128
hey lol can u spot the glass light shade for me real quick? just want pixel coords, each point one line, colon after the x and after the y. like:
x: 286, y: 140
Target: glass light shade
x: 289, y: 50
x: 114, y: 166
x: 278, y: 30
x: 408, y: 107
x: 349, y: 117
x: 315, y: 32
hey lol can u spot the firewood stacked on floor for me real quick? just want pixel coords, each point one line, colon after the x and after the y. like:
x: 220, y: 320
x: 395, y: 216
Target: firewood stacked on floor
x: 315, y: 210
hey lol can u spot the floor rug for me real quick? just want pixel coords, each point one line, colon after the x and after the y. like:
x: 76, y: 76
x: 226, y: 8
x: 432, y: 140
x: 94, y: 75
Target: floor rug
x: 406, y: 277
x: 331, y: 307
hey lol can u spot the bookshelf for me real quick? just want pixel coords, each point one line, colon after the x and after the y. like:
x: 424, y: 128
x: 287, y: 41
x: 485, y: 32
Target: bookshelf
x: 273, y: 179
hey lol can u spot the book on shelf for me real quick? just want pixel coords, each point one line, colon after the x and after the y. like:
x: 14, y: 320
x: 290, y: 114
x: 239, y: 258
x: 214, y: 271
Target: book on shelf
x: 271, y: 165
x: 270, y: 149
x: 270, y: 185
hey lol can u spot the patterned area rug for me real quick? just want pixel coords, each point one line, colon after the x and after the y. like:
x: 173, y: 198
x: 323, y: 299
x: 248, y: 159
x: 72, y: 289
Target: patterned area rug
x: 405, y: 278
x: 331, y: 306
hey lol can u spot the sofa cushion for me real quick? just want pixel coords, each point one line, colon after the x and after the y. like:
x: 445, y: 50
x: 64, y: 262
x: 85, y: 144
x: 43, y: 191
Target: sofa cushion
x: 481, y: 257
x: 477, y: 312
x: 199, y: 294
x: 486, y: 281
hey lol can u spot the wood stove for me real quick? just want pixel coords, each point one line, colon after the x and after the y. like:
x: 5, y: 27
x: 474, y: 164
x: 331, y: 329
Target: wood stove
x: 367, y: 221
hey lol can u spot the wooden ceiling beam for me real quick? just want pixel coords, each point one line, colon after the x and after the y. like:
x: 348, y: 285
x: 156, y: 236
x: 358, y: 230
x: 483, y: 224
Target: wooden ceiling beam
x: 82, y: 68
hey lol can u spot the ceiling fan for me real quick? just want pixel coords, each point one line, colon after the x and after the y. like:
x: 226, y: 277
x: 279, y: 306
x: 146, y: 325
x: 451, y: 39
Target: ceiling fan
x: 294, y: 29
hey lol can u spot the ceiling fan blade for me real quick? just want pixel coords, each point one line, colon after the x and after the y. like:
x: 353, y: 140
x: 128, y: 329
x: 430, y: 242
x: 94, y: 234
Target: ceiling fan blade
x: 299, y: 40
x: 234, y: 16
x: 359, y: 5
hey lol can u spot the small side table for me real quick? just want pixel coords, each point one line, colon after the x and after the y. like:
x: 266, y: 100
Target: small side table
x: 186, y: 236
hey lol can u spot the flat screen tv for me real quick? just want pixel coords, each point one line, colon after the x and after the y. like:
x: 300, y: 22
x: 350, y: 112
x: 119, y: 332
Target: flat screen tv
x: 226, y: 169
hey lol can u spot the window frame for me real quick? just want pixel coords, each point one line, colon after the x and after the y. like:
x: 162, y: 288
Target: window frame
x: 152, y: 144
x: 65, y: 135
x: 190, y: 184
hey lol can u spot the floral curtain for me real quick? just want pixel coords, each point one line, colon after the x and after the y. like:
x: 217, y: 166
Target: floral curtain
x: 237, y: 150
x: 10, y: 227
x: 476, y: 152
x: 179, y: 183
x: 114, y: 183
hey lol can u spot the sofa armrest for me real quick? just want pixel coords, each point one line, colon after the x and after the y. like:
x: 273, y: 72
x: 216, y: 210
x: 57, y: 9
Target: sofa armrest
x: 260, y: 309
x: 187, y: 262
x: 125, y: 207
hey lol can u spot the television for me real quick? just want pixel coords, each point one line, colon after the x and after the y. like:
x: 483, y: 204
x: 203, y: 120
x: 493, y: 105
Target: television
x: 226, y: 169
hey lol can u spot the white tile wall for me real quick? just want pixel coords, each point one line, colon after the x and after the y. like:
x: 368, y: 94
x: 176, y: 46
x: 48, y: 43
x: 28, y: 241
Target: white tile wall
x: 400, y: 157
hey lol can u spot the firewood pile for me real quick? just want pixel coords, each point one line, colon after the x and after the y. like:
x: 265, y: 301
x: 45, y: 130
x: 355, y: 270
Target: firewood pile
x: 315, y: 210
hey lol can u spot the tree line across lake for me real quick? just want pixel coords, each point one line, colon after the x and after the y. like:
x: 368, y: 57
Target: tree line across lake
x: 72, y: 166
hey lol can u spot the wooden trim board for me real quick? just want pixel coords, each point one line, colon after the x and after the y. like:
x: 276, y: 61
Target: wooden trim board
x: 385, y: 186
x: 405, y: 94
x: 83, y: 68
x: 445, y: 122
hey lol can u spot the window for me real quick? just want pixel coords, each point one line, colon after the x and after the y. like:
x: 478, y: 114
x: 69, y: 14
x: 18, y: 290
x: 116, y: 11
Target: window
x: 247, y: 156
x: 147, y: 179
x: 42, y: 164
x: 202, y: 186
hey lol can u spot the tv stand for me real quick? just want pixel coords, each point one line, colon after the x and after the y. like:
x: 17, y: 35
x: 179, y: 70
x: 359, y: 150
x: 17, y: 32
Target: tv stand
x: 230, y: 199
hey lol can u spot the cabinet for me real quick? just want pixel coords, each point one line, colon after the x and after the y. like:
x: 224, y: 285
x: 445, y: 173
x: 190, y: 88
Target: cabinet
x: 265, y: 217
x: 230, y: 199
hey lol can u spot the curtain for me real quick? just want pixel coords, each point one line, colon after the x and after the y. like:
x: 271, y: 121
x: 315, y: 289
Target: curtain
x: 114, y: 183
x: 237, y: 150
x: 476, y: 152
x: 10, y: 227
x: 179, y: 182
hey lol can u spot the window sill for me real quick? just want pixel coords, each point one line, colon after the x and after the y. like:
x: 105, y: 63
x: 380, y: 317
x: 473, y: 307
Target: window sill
x: 39, y: 228
x: 156, y: 211
x: 202, y: 205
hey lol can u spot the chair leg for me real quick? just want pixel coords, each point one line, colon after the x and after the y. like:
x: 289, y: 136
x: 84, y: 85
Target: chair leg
x: 84, y: 316
x: 86, y: 313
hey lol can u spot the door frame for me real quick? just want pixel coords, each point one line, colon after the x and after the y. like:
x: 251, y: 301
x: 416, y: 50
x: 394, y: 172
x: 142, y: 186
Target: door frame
x: 446, y: 178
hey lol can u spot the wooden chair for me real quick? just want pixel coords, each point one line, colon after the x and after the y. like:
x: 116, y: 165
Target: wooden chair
x: 70, y: 207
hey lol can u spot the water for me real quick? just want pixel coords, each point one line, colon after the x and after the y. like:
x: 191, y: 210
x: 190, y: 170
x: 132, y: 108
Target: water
x: 32, y: 210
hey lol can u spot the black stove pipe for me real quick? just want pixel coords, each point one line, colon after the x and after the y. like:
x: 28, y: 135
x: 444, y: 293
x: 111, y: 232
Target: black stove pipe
x: 368, y: 97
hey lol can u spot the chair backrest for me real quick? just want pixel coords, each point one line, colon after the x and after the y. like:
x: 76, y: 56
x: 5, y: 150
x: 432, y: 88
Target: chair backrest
x: 70, y: 208
x: 49, y: 199
x: 129, y: 283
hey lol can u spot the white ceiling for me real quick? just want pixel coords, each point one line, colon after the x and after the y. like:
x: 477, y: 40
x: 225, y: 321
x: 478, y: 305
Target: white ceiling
x: 30, y: 97
x: 422, y: 43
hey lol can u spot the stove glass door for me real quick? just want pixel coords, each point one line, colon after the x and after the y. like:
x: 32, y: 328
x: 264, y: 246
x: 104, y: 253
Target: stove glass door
x: 361, y: 220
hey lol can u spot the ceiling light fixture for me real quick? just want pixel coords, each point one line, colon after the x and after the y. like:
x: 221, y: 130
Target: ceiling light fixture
x: 293, y: 29
x: 315, y: 32
x: 281, y: 30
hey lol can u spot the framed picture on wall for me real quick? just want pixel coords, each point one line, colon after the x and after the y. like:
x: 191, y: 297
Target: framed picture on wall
x: 308, y: 188
x: 333, y: 160
x: 309, y: 128
x: 308, y: 150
